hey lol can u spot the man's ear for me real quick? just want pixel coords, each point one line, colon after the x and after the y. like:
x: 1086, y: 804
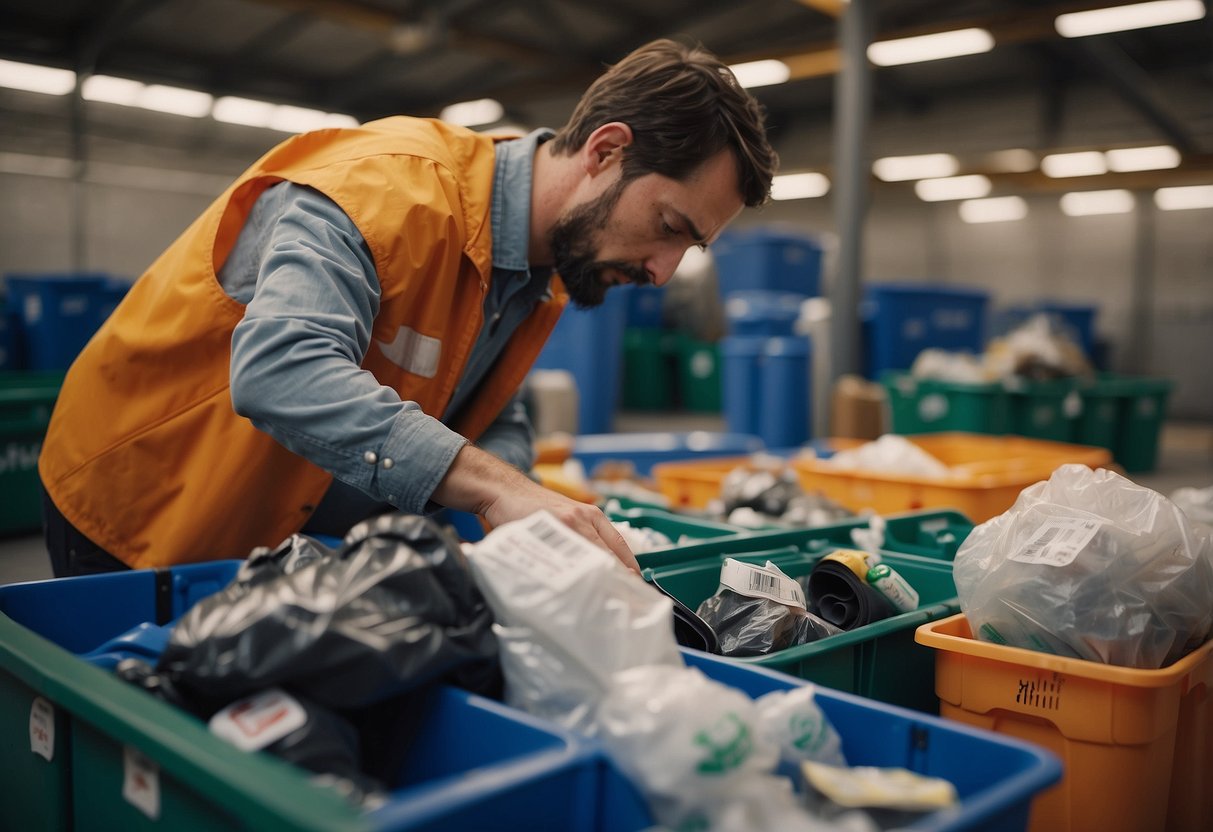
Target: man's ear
x: 605, y: 146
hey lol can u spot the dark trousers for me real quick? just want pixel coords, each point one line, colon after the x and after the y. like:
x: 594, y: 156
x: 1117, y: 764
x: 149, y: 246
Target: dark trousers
x: 71, y: 552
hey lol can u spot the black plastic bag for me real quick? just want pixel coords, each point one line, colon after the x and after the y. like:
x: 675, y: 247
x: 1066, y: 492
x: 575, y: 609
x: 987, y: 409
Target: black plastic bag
x: 299, y: 731
x: 394, y: 609
x: 748, y: 626
x: 842, y: 598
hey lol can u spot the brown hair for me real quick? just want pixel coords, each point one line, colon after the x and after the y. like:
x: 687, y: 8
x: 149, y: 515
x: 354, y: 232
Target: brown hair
x: 684, y: 106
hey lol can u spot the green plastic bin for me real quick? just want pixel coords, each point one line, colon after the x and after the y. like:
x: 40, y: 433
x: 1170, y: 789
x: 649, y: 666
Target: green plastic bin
x: 930, y: 406
x: 1046, y: 409
x: 935, y: 534
x: 880, y: 661
x: 1125, y: 415
x: 26, y: 401
x: 648, y: 369
x: 698, y: 365
x: 674, y: 526
x: 928, y: 534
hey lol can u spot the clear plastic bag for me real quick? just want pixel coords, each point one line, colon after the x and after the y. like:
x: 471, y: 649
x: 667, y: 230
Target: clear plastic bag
x: 1090, y: 565
x: 1197, y: 503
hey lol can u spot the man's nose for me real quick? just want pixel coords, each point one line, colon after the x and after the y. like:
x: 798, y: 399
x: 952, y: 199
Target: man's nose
x: 662, y: 265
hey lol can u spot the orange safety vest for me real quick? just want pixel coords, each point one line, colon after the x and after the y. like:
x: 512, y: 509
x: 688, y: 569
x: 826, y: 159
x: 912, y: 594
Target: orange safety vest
x: 144, y: 453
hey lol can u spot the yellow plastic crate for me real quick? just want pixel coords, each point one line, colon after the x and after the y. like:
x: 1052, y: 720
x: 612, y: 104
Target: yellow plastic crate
x: 1136, y: 745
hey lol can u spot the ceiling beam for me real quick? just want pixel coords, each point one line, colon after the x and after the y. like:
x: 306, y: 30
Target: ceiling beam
x: 1133, y: 85
x: 1019, y: 26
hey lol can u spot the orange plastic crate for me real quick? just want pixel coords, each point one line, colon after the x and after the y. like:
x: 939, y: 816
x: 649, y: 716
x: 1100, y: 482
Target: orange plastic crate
x: 988, y: 474
x: 1136, y: 745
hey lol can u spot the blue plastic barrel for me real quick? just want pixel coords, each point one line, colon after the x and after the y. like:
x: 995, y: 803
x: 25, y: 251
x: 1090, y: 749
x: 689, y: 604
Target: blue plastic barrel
x: 783, y: 417
x: 740, y: 382
x: 589, y: 344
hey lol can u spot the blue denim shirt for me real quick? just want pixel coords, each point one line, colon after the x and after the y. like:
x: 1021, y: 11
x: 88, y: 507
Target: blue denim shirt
x: 311, y: 292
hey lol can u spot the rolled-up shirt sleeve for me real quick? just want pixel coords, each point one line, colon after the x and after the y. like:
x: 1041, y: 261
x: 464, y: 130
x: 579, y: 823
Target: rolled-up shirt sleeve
x: 296, y: 355
x: 511, y: 437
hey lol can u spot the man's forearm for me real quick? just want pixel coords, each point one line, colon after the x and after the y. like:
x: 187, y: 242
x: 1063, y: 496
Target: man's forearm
x: 479, y: 482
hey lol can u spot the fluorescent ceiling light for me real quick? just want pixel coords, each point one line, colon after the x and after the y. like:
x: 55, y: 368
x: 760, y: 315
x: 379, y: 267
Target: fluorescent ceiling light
x: 994, y: 209
x: 473, y: 113
x: 290, y: 119
x: 761, y: 73
x: 247, y: 111
x: 1016, y: 160
x: 283, y: 117
x: 1087, y: 203
x: 35, y: 78
x: 799, y: 186
x: 339, y: 120
x: 1127, y: 159
x: 1184, y: 197
x: 111, y: 90
x: 1083, y: 163
x: 930, y: 47
x: 1121, y: 18
x: 175, y: 100
x: 927, y: 166
x: 952, y: 187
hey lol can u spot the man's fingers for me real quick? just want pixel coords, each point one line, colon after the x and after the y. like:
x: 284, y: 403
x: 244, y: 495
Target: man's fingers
x: 615, y: 543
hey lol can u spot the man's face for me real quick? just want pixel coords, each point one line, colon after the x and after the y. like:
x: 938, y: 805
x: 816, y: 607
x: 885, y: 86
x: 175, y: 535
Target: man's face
x: 637, y: 232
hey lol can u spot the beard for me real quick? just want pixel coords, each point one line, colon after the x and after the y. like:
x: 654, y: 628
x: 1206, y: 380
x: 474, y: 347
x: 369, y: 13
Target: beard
x: 574, y: 255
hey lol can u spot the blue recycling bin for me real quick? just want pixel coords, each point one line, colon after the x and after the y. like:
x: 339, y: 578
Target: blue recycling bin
x: 900, y: 320
x: 56, y: 315
x: 762, y: 312
x: 768, y: 258
x: 589, y: 344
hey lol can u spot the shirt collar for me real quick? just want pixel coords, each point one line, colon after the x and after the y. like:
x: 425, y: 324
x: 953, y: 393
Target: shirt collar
x: 511, y: 201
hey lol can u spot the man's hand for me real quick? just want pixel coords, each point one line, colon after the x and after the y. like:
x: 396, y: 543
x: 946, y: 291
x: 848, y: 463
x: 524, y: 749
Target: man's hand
x: 479, y: 482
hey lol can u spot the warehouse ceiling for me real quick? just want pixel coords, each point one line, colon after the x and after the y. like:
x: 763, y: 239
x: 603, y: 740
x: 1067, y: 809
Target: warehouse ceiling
x: 370, y: 58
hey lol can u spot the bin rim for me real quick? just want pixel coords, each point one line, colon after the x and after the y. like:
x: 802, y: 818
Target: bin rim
x: 948, y: 635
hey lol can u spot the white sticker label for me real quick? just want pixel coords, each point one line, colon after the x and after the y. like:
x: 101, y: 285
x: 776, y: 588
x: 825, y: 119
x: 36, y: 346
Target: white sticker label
x: 42, y: 728
x: 1058, y: 541
x: 259, y: 720
x: 542, y: 549
x: 761, y: 582
x: 141, y: 782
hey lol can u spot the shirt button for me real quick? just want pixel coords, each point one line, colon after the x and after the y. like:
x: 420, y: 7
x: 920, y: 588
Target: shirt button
x: 370, y: 457
x: 387, y: 462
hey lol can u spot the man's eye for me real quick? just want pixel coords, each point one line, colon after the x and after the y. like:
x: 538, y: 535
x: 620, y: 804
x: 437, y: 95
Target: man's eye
x: 667, y: 229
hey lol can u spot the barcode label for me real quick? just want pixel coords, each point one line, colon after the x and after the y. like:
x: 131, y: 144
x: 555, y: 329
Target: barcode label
x: 767, y: 581
x: 559, y: 538
x: 1058, y: 541
x: 542, y: 549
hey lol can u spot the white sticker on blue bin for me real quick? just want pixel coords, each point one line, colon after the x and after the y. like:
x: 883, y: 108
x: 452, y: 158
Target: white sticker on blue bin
x: 259, y: 720
x: 42, y: 728
x: 141, y: 782
x: 33, y: 309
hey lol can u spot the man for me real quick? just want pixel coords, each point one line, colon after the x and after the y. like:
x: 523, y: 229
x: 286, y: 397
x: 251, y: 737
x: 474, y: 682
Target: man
x: 331, y: 336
